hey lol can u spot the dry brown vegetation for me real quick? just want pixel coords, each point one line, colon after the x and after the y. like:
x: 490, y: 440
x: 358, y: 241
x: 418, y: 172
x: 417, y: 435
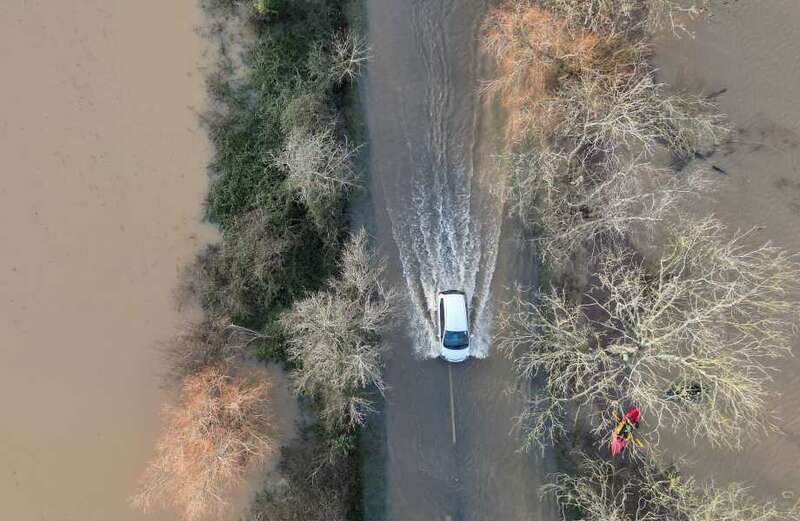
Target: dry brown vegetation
x: 632, y: 15
x: 649, y: 491
x: 576, y: 80
x: 219, y: 428
x: 711, y: 312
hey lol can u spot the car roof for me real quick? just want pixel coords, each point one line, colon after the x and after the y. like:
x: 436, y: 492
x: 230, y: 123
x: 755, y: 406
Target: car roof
x: 455, y: 311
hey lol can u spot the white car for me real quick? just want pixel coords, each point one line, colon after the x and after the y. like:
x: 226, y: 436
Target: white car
x: 453, y: 325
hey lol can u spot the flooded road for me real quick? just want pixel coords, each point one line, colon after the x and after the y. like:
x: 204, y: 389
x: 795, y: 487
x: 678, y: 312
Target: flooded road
x: 750, y: 51
x: 438, y: 217
x: 103, y: 176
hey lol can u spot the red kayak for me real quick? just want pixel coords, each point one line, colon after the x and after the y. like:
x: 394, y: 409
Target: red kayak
x: 623, y: 432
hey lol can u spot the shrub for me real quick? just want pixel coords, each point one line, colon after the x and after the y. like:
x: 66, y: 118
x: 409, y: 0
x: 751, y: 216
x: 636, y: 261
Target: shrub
x: 309, y: 484
x: 220, y: 427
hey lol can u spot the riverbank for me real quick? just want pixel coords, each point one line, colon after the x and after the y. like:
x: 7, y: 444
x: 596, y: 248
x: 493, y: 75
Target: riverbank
x: 283, y: 129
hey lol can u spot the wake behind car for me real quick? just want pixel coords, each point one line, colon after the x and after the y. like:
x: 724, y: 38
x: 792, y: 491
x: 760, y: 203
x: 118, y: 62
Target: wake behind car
x: 453, y: 325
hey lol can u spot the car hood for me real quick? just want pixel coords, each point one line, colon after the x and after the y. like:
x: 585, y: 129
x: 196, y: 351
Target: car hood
x: 455, y: 355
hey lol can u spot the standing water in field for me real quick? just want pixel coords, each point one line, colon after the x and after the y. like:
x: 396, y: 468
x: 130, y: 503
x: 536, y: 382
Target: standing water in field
x: 445, y: 224
x: 104, y: 174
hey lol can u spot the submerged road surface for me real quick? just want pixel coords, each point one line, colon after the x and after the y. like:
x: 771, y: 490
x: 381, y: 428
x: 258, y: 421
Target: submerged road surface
x: 439, y: 219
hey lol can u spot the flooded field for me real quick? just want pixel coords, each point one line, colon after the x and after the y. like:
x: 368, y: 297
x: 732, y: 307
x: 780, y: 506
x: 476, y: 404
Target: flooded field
x: 748, y: 54
x: 450, y: 455
x: 103, y: 181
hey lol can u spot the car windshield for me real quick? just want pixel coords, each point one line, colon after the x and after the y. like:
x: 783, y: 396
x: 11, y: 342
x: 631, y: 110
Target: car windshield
x: 455, y: 339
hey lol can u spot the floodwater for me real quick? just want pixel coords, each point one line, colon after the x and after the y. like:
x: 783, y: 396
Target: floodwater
x: 438, y: 217
x: 751, y: 51
x: 103, y: 176
x: 445, y: 220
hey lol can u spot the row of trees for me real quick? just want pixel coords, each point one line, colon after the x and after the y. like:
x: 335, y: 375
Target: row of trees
x: 304, y: 291
x: 678, y: 315
x: 221, y: 425
x: 710, y: 313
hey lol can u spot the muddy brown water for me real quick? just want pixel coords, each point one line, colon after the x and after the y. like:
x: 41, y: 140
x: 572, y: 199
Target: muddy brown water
x: 103, y: 176
x: 430, y: 147
x: 751, y: 52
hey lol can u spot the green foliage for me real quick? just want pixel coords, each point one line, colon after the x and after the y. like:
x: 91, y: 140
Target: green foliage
x: 313, y: 484
x: 274, y: 246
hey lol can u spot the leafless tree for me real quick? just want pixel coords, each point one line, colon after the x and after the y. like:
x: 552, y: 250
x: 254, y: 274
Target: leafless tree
x: 593, y: 208
x: 335, y: 336
x: 675, y: 15
x: 220, y: 426
x: 349, y: 55
x: 626, y: 16
x: 608, y: 118
x: 200, y: 345
x: 650, y: 491
x: 319, y: 169
x: 712, y: 315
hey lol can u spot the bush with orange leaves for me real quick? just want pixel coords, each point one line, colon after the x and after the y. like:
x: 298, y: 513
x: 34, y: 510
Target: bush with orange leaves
x: 220, y: 427
x: 538, y: 54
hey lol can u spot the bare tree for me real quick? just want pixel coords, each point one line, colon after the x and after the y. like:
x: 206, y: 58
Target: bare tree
x: 200, y: 345
x: 607, y: 118
x: 319, y: 169
x: 712, y: 316
x: 220, y: 426
x: 349, y: 55
x: 650, y: 491
x: 675, y: 15
x: 621, y: 204
x: 335, y: 336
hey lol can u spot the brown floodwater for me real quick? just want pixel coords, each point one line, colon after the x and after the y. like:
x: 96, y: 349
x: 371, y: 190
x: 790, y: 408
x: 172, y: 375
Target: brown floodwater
x: 450, y: 454
x: 103, y: 176
x: 751, y: 51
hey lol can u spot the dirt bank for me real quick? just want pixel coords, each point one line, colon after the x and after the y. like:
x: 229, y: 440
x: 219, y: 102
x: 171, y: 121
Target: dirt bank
x: 750, y: 52
x: 104, y: 176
